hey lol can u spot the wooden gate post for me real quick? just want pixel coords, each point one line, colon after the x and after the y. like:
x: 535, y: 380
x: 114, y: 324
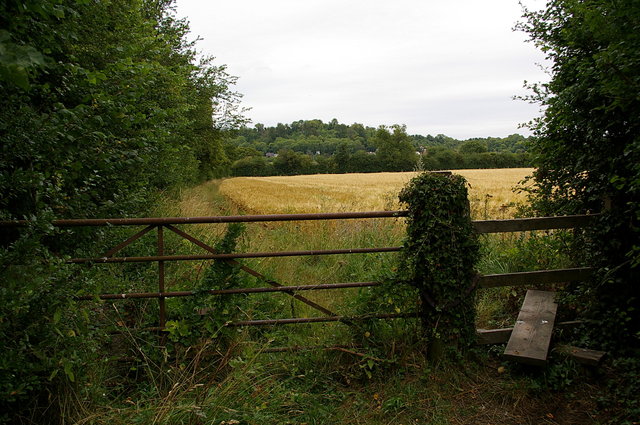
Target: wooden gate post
x: 161, y: 300
x: 438, y: 258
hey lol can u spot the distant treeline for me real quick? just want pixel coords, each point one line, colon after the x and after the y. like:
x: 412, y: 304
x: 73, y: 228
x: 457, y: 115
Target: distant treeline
x: 309, y: 147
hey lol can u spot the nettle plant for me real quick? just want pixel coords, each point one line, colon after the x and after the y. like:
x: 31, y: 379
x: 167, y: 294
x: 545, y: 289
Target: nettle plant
x: 439, y: 256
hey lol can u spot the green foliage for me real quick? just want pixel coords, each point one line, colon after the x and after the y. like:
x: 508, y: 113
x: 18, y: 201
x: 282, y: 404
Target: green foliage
x: 17, y: 61
x: 471, y: 156
x: 624, y: 387
x: 378, y: 337
x: 394, y: 150
x: 473, y: 146
x: 587, y: 149
x: 439, y: 255
x: 102, y: 105
x: 116, y: 107
x: 288, y: 163
x: 47, y: 337
x: 203, y: 316
x: 252, y: 166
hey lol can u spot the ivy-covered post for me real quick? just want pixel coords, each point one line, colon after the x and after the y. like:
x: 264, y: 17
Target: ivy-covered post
x: 439, y: 256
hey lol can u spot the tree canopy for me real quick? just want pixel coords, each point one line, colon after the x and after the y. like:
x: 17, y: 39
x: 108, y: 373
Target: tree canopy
x: 102, y: 103
x: 587, y: 145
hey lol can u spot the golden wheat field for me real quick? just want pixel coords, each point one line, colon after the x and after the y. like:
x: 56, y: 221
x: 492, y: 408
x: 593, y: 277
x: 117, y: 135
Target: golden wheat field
x: 490, y: 193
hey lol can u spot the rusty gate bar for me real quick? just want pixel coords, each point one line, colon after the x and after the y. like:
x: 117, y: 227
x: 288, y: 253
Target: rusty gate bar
x: 128, y: 242
x: 481, y: 226
x: 250, y: 271
x: 151, y: 259
x: 533, y: 223
x: 294, y: 321
x: 484, y: 281
x: 160, y: 221
x: 174, y: 294
x: 303, y: 320
x: 538, y: 277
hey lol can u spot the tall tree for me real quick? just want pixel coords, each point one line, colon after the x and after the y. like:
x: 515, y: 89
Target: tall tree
x: 341, y: 158
x: 110, y: 107
x: 394, y: 150
x: 98, y: 101
x: 587, y: 145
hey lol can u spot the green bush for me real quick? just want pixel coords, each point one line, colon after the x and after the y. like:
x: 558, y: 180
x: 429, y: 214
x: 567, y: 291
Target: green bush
x: 439, y: 255
x: 48, y: 338
x: 586, y: 150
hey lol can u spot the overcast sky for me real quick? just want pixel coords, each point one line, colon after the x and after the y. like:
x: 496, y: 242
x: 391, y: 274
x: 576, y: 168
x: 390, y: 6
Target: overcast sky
x: 448, y: 66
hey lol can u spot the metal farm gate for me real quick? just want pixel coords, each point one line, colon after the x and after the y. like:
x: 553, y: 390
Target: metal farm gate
x: 162, y: 225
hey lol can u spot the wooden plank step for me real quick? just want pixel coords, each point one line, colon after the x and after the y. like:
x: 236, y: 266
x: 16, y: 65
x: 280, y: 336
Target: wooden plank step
x: 531, y: 336
x: 501, y: 336
x: 582, y: 355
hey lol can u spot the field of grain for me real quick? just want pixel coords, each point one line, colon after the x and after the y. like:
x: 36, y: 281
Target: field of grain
x: 490, y: 192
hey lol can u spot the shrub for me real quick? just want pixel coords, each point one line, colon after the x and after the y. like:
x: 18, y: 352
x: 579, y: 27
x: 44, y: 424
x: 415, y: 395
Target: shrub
x: 439, y: 255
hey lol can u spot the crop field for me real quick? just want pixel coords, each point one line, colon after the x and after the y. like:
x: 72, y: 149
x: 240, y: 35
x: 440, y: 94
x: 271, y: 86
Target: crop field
x: 490, y: 192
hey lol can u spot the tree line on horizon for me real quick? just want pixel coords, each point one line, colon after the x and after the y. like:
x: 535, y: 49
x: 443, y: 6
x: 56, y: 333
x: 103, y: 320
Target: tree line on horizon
x: 313, y: 146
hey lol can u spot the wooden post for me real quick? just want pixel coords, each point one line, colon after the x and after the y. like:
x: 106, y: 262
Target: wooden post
x: 161, y: 302
x: 439, y: 255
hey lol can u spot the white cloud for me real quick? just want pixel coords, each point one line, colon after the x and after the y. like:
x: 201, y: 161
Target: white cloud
x: 439, y: 67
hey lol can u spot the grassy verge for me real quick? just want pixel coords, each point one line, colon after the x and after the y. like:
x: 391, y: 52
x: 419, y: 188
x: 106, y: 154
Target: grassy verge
x: 328, y: 387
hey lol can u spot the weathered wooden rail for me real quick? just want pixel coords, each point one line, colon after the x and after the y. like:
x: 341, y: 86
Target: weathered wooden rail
x: 169, y: 223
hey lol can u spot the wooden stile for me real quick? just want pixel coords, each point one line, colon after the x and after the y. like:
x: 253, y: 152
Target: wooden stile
x: 531, y: 336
